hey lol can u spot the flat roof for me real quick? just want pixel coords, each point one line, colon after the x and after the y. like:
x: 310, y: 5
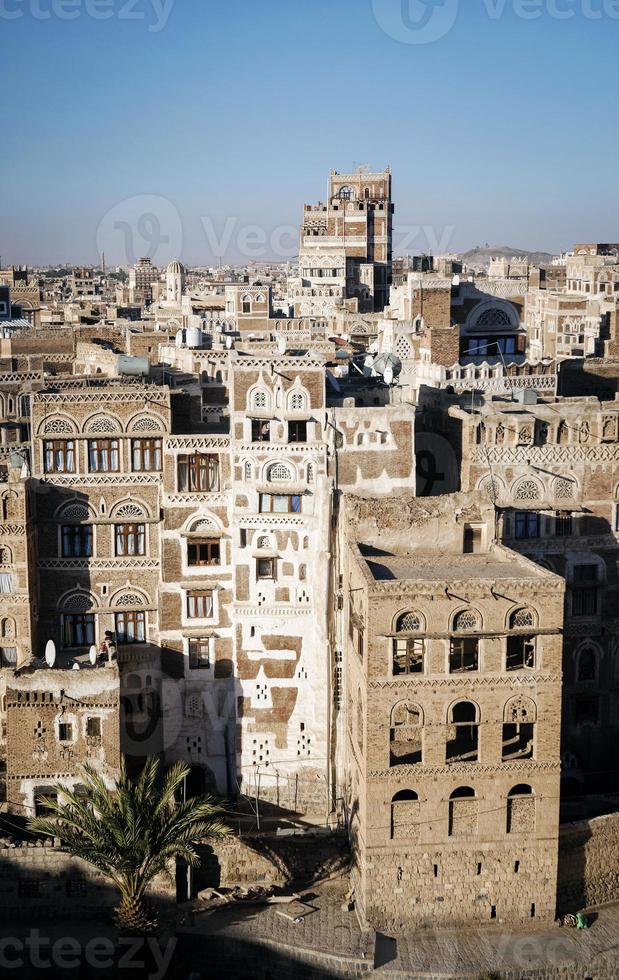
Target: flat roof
x: 442, y: 568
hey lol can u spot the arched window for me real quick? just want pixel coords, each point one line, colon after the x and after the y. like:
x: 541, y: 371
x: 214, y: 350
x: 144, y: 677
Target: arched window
x: 464, y: 650
x: 246, y: 304
x: 521, y: 645
x: 248, y: 470
x: 405, y: 742
x: 260, y: 400
x: 587, y: 665
x: 521, y: 810
x: 519, y: 720
x: 493, y: 318
x: 310, y: 472
x: 408, y: 651
x: 404, y: 814
x: 527, y: 490
x: 462, y: 812
x: 278, y: 473
x: 346, y: 194
x: 297, y: 401
x: 466, y: 621
x: 463, y: 733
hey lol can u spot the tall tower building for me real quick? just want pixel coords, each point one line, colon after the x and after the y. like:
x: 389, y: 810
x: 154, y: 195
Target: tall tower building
x: 345, y: 255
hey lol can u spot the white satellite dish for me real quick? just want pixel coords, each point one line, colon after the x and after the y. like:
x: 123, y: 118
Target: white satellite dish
x: 75, y: 666
x: 50, y: 653
x: 282, y: 345
x: 229, y: 343
x: 388, y: 376
x: 92, y: 655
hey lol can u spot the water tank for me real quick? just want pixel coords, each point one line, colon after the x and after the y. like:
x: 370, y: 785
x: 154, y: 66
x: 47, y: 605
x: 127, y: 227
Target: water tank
x: 136, y: 367
x: 194, y: 337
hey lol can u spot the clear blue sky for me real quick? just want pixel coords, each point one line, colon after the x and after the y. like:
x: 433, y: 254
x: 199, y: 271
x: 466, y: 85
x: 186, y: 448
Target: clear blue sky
x: 505, y: 130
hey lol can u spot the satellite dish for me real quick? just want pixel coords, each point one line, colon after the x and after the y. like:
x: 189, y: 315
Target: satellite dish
x: 282, y: 345
x: 75, y: 666
x: 388, y: 376
x: 388, y: 362
x: 92, y: 655
x: 229, y: 343
x: 179, y: 338
x: 50, y: 653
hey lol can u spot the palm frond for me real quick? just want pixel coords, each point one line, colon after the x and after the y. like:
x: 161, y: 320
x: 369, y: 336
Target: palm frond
x: 133, y: 831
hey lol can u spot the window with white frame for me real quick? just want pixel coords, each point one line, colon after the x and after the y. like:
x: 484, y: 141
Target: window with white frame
x: 200, y: 604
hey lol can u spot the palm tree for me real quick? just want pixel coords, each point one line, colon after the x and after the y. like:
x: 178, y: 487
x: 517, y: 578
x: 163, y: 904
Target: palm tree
x: 131, y: 832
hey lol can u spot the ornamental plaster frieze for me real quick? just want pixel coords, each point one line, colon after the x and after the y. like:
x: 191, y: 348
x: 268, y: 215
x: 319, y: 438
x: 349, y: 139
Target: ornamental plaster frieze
x: 134, y: 396
x: 8, y: 529
x: 480, y: 589
x: 261, y: 611
x: 10, y: 598
x: 283, y: 363
x: 609, y: 452
x: 126, y: 480
x: 21, y: 378
x: 465, y: 769
x: 272, y: 520
x: 197, y: 442
x: 561, y: 546
x: 583, y: 629
x: 315, y: 450
x: 96, y: 564
x: 512, y: 683
x: 218, y: 499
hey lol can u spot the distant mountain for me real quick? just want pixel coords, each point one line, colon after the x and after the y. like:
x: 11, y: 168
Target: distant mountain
x: 481, y: 255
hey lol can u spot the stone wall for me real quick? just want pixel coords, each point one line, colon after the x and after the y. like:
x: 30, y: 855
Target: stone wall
x: 275, y: 859
x: 40, y: 881
x: 588, y: 863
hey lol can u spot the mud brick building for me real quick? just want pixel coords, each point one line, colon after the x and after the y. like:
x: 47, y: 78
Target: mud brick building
x: 452, y: 660
x: 345, y: 255
x: 552, y: 471
x: 56, y: 721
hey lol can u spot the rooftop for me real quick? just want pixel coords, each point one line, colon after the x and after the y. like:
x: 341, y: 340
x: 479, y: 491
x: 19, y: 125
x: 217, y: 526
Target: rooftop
x: 440, y: 567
